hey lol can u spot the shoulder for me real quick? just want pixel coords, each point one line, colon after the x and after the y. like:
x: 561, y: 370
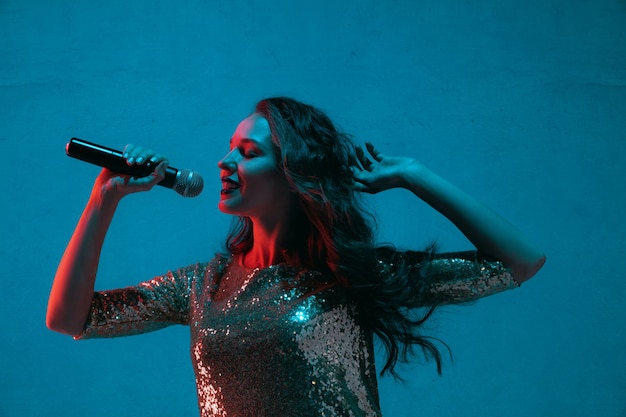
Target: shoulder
x: 389, y: 259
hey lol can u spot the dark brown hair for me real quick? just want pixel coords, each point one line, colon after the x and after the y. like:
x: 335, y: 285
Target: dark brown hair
x: 337, y: 233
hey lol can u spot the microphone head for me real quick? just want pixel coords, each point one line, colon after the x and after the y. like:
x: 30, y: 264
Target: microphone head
x: 188, y: 183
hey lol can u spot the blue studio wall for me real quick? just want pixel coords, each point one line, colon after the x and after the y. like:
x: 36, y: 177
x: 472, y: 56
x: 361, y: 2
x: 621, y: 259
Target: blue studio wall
x: 522, y: 104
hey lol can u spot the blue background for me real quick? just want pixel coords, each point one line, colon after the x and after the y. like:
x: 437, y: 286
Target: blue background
x: 522, y: 104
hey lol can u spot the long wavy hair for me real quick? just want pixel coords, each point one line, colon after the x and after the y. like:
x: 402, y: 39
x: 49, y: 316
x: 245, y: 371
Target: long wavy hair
x: 337, y: 232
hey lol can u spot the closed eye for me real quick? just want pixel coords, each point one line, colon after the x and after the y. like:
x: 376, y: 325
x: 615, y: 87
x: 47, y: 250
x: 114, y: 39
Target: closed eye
x: 247, y: 148
x: 247, y: 153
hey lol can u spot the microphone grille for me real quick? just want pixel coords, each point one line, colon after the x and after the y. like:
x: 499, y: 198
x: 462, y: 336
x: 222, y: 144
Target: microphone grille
x: 188, y: 183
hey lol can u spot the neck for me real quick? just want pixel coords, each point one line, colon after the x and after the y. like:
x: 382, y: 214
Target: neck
x: 270, y: 240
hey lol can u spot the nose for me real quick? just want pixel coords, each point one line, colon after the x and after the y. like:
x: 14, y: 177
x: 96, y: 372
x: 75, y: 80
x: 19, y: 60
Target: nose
x: 227, y: 163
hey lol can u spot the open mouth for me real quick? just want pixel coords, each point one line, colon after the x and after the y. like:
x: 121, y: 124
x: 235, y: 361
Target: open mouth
x: 229, y: 186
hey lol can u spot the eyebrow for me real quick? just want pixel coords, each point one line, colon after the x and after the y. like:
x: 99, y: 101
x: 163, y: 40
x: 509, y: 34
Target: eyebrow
x: 246, y: 141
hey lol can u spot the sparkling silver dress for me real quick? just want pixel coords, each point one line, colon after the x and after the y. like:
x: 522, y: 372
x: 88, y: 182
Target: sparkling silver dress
x: 285, y: 343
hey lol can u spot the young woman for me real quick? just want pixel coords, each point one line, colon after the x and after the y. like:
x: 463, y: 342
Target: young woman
x: 282, y: 324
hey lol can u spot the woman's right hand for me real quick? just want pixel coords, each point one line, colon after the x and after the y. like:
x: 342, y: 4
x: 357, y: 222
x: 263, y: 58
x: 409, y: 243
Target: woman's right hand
x: 114, y: 185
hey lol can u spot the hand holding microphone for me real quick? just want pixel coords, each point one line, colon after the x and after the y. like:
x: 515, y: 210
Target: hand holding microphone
x: 185, y: 182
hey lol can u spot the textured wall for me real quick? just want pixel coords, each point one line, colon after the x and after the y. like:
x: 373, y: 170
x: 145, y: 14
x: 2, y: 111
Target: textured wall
x: 522, y: 104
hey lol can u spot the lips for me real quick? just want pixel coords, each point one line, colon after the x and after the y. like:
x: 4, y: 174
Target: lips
x: 229, y: 185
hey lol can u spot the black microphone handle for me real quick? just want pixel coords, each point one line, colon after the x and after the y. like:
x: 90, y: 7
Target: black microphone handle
x: 114, y: 160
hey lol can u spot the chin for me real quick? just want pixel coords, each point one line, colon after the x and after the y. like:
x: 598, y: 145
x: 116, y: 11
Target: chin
x: 226, y: 207
x: 223, y: 208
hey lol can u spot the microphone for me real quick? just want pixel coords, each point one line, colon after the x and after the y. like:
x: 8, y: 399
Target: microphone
x: 185, y: 182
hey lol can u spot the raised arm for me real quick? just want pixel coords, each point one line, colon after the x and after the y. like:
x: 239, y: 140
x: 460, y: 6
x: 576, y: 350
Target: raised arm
x: 488, y: 231
x: 73, y: 286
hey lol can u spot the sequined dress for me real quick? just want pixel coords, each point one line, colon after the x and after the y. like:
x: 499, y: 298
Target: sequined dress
x: 286, y: 343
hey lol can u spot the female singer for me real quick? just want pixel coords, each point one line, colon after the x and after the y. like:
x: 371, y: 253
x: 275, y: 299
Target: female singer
x: 283, y: 322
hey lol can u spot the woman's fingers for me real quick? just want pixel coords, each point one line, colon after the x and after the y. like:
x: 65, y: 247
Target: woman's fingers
x: 146, y: 183
x: 122, y: 184
x: 138, y: 155
x: 159, y: 172
x: 131, y: 152
x: 378, y: 157
x: 127, y: 184
x: 364, y: 161
x: 361, y: 179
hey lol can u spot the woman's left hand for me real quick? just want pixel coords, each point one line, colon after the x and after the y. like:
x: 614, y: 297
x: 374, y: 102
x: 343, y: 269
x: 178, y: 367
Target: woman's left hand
x: 375, y: 172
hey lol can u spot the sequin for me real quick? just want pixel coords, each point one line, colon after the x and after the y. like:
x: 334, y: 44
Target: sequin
x: 282, y: 343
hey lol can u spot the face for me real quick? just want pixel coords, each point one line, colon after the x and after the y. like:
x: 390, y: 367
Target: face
x: 252, y: 184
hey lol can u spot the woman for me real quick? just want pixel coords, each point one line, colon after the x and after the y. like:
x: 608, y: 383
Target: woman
x: 283, y: 323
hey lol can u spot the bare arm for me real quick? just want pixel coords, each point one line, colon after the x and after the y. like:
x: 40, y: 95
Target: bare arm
x: 73, y: 286
x: 487, y: 230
